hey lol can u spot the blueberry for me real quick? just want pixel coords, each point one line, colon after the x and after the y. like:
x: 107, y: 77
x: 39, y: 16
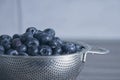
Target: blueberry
x: 5, y: 37
x: 16, y: 42
x: 21, y: 48
x: 43, y: 37
x: 1, y: 52
x: 50, y: 31
x: 79, y: 47
x: 69, y: 47
x: 57, y: 50
x: 26, y: 36
x: 16, y: 36
x: 33, y: 30
x: 45, y: 50
x: 32, y: 42
x: 55, y: 42
x: 2, y: 49
x: 6, y: 44
x: 12, y: 52
x: 38, y: 34
x: 59, y: 40
x: 22, y: 54
x: 32, y: 50
x: 39, y: 31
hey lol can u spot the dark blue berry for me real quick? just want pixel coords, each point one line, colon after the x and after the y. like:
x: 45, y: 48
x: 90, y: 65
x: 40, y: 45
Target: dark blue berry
x: 26, y: 36
x: 16, y: 36
x: 2, y: 49
x: 33, y: 30
x: 12, y: 52
x: 69, y: 47
x: 79, y: 47
x: 16, y: 42
x: 55, y: 42
x: 38, y: 35
x: 5, y: 37
x: 57, y: 50
x: 1, y: 52
x: 32, y: 50
x: 45, y: 50
x: 43, y: 37
x: 59, y: 40
x: 6, y: 44
x: 22, y: 54
x: 21, y: 48
x: 50, y: 31
x: 39, y: 31
x: 32, y: 42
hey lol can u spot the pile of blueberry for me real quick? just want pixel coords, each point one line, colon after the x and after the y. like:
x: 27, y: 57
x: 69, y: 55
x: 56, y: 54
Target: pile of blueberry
x: 36, y: 43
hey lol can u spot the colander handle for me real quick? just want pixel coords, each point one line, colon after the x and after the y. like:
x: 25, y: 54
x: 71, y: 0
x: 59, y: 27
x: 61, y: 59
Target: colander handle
x: 98, y: 50
x: 95, y: 50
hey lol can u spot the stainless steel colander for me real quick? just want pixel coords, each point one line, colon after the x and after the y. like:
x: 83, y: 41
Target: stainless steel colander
x: 62, y: 67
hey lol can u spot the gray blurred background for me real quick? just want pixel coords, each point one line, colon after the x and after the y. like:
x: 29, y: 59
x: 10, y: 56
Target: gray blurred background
x: 96, y: 22
x: 83, y: 19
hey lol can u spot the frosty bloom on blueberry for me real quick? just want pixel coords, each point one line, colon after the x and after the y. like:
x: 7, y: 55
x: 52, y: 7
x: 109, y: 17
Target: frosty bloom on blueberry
x: 36, y: 42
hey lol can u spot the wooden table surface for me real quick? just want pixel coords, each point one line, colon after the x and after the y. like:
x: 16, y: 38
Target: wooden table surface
x: 102, y: 67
